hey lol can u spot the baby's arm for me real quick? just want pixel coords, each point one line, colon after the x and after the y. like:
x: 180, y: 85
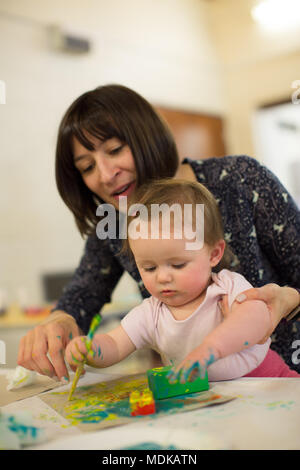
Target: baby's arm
x: 107, y: 349
x: 241, y: 329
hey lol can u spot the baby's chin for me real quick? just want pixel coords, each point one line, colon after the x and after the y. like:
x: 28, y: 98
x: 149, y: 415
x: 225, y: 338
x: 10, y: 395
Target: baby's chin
x: 173, y: 300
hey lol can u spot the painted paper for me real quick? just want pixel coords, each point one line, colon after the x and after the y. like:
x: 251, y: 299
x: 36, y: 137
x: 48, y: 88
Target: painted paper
x: 106, y: 404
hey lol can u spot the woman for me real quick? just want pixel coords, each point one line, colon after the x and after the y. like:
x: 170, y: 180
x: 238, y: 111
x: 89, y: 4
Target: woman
x: 111, y: 141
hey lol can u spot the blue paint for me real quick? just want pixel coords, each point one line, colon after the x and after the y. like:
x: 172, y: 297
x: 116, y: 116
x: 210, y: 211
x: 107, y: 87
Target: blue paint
x: 21, y: 425
x: 190, y: 374
x: 98, y: 410
x: 210, y: 360
x: 150, y: 446
x: 186, y: 374
x: 246, y: 343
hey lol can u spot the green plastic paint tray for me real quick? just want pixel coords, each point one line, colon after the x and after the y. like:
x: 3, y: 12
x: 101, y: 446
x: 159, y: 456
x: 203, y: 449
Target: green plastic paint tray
x: 161, y: 388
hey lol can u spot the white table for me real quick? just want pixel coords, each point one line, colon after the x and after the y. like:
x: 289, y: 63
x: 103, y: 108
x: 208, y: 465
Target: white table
x: 265, y: 415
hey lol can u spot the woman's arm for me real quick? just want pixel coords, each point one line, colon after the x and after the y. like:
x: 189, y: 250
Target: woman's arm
x: 92, y: 284
x: 277, y: 223
x: 88, y: 291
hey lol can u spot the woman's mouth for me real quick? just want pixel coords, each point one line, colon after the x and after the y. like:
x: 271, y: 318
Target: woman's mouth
x: 124, y: 190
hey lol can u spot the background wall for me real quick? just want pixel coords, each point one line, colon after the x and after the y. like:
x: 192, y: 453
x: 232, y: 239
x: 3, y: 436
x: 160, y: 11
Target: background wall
x: 258, y: 67
x: 162, y: 49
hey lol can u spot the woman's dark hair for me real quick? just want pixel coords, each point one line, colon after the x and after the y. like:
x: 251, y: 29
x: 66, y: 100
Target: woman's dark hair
x: 106, y: 112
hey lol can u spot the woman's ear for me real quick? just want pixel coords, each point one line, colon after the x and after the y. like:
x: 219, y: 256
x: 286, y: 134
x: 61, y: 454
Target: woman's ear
x: 217, y: 252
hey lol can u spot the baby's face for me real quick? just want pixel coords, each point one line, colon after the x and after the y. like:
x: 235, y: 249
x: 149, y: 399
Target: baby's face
x: 171, y: 273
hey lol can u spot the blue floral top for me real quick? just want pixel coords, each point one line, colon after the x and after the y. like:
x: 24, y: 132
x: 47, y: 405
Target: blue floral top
x: 262, y: 227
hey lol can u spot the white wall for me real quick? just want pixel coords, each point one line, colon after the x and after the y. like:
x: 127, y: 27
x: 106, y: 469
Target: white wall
x: 277, y: 143
x: 258, y: 67
x: 160, y: 48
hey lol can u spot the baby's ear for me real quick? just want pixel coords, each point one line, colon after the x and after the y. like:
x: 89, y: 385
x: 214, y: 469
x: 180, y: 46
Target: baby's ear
x: 217, y: 253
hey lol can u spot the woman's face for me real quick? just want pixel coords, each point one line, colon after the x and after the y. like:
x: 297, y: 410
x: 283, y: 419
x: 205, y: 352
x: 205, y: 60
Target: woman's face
x: 108, y: 171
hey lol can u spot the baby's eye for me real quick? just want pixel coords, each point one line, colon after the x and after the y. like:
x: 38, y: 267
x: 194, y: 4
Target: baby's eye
x: 179, y: 266
x: 149, y: 269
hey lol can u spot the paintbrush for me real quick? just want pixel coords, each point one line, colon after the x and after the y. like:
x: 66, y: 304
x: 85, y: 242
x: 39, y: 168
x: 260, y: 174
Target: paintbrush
x: 94, y: 326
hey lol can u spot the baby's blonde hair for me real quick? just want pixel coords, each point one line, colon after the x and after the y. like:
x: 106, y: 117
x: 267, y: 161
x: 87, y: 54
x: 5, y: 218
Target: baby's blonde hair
x: 175, y: 191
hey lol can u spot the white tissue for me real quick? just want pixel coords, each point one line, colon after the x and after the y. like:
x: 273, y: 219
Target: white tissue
x: 20, y: 377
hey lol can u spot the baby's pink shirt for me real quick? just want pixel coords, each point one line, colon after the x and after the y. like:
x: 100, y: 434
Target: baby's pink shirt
x: 152, y: 325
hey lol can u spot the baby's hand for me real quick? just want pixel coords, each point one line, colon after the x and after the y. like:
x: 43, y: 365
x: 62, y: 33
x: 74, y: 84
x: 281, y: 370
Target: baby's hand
x: 79, y: 350
x: 194, y: 365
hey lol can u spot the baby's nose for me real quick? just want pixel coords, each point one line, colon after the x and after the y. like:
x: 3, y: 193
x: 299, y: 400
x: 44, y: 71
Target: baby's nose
x: 164, y: 275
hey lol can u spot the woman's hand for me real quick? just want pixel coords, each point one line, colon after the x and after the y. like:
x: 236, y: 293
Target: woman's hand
x: 279, y: 300
x: 52, y: 337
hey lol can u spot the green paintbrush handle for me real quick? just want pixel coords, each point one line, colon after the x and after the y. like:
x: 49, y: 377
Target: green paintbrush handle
x: 94, y: 325
x: 76, y: 378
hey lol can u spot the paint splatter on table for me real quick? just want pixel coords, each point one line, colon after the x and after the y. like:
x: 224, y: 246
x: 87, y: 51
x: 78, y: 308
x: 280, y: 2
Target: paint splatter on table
x: 106, y: 404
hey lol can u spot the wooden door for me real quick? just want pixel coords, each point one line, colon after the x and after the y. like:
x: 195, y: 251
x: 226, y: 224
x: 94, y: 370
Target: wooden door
x: 196, y: 135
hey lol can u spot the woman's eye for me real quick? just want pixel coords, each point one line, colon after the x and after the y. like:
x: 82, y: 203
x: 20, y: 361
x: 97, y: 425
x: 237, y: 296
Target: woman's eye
x: 116, y: 150
x: 87, y: 169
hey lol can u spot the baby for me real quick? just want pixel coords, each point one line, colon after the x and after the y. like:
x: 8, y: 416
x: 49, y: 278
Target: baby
x: 185, y: 266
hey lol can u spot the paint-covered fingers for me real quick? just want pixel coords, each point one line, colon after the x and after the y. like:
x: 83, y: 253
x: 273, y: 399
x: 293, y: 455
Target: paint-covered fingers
x: 32, y: 351
x: 61, y: 331
x: 39, y: 352
x: 77, y: 351
x: 194, y: 365
x: 191, y: 371
x: 42, y: 349
x: 25, y: 358
x: 56, y: 337
x: 172, y: 376
x: 187, y: 372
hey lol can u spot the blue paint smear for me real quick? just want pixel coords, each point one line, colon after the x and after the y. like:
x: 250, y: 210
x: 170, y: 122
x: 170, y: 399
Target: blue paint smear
x: 210, y: 360
x: 150, y: 446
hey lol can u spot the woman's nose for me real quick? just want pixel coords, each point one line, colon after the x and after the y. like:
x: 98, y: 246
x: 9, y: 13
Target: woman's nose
x: 107, y: 170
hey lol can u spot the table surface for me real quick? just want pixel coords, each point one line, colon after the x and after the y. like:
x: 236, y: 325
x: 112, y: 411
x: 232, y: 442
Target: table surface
x: 264, y: 415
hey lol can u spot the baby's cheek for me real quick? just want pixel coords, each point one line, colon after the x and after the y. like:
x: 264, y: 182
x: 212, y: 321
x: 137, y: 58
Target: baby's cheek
x: 149, y: 284
x: 195, y: 282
